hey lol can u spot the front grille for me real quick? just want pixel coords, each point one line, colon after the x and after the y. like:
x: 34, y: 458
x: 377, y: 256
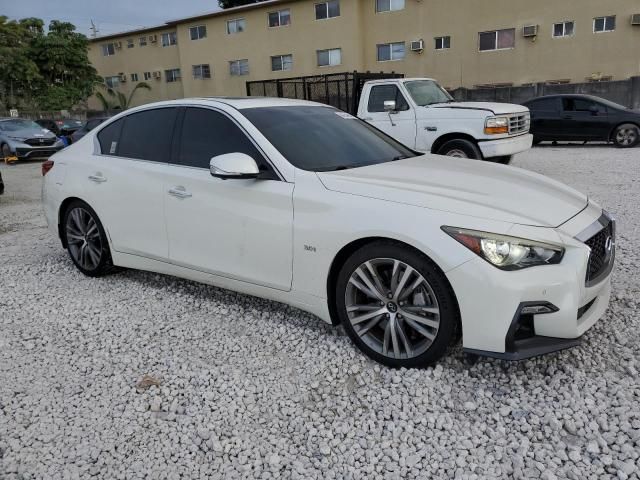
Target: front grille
x: 40, y: 142
x: 519, y: 123
x: 602, y: 246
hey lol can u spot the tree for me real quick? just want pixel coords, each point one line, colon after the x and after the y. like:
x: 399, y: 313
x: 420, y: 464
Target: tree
x: 236, y: 3
x: 122, y: 102
x: 48, y: 71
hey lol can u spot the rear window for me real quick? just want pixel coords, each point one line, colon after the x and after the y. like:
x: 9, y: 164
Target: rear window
x: 147, y: 135
x: 108, y: 137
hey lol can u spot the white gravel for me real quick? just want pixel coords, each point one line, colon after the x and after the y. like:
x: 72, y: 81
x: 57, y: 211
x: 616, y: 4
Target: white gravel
x: 254, y: 389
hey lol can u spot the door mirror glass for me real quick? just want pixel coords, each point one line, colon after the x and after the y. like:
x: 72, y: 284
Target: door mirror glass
x: 233, y: 165
x: 389, y: 105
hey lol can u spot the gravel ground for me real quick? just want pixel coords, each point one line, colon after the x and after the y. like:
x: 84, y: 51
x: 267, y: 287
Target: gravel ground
x: 140, y: 375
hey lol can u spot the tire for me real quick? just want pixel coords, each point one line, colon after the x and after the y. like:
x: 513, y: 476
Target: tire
x: 6, y: 151
x: 423, y: 316
x: 505, y: 160
x: 86, y: 240
x: 626, y: 135
x: 460, y: 148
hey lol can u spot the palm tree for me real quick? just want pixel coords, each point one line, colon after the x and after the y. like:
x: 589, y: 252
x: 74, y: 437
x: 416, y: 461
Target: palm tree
x: 121, y: 102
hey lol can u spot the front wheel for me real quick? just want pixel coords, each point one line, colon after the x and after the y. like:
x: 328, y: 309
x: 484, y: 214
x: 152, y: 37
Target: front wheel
x: 460, y: 148
x: 86, y: 240
x: 626, y: 135
x: 396, y: 305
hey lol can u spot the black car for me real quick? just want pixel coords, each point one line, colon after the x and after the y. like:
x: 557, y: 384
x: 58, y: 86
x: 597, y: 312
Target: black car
x: 583, y: 118
x: 87, y: 127
x: 61, y: 128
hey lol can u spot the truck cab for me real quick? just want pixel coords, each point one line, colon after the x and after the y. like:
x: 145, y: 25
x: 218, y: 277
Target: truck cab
x: 422, y: 115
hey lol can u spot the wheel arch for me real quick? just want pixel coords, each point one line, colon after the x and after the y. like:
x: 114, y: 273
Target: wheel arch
x: 347, y: 250
x: 441, y: 140
x: 630, y: 122
x: 61, y: 210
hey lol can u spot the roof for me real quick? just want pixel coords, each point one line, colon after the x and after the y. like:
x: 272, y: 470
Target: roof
x: 193, y: 18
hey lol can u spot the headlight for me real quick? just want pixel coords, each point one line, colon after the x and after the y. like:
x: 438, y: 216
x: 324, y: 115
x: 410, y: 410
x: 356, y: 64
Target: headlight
x: 496, y: 125
x: 504, y: 252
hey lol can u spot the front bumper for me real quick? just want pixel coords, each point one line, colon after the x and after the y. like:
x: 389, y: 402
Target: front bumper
x: 506, y: 146
x: 491, y: 305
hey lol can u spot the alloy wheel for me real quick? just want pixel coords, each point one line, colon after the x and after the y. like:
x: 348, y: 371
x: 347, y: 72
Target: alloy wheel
x: 392, y: 308
x: 626, y: 136
x: 83, y: 238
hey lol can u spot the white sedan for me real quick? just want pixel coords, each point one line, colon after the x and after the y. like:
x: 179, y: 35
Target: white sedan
x: 304, y: 204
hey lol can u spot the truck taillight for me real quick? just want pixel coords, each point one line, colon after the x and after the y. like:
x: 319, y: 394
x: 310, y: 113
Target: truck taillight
x: 46, y: 166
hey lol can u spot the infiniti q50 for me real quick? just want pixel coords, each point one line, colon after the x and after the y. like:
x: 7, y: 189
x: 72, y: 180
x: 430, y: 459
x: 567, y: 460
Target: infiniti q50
x: 304, y: 204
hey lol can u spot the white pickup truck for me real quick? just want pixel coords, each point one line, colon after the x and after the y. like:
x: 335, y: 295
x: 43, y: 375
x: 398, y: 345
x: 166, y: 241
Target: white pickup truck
x: 422, y: 115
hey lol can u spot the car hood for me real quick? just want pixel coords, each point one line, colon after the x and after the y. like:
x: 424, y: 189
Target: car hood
x: 25, y: 133
x: 495, y: 108
x: 466, y: 187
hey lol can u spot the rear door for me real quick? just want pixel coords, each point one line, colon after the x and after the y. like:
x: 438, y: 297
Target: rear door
x: 584, y: 119
x: 400, y: 124
x: 545, y: 118
x: 124, y: 181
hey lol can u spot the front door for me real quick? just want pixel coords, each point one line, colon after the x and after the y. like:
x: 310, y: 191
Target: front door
x: 585, y: 119
x: 239, y: 229
x: 400, y: 124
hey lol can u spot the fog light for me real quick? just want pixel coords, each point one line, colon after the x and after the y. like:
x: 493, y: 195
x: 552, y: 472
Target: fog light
x: 538, y: 309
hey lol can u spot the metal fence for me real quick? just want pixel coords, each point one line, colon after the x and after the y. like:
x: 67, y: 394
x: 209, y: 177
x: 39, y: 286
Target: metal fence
x: 340, y: 90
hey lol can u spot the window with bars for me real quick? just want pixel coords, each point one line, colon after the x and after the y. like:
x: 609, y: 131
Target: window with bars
x: 236, y: 26
x: 143, y: 41
x: 239, y: 67
x: 281, y: 63
x: 200, y: 72
x: 172, y: 75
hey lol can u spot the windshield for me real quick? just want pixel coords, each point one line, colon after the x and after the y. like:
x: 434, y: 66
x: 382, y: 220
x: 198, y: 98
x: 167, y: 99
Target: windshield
x: 426, y: 92
x: 321, y: 139
x: 18, y: 124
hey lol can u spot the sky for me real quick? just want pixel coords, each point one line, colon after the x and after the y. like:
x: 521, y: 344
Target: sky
x: 110, y: 16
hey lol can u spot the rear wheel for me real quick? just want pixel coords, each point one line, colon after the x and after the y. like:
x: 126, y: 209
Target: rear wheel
x: 396, y: 305
x: 626, y: 135
x: 86, y: 240
x: 460, y: 148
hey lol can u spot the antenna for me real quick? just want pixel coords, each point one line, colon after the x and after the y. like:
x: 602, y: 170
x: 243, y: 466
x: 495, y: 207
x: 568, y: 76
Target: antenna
x: 94, y: 29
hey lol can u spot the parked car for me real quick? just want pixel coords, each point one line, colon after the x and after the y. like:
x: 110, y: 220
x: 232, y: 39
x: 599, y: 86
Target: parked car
x: 583, y: 118
x: 420, y: 114
x: 26, y: 139
x: 87, y: 127
x: 405, y: 250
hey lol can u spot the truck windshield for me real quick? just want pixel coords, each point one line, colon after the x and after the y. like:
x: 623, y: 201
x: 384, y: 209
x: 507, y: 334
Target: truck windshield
x: 321, y: 139
x: 427, y: 92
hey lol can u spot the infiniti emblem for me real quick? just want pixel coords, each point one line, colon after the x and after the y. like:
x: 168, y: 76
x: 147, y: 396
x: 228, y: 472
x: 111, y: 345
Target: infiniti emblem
x: 392, y: 307
x: 608, y: 244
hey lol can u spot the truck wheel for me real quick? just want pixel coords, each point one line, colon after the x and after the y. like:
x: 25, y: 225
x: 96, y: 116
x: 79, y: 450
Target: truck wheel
x: 460, y: 148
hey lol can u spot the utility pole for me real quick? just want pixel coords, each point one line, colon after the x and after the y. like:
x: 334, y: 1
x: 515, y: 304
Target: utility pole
x: 94, y: 29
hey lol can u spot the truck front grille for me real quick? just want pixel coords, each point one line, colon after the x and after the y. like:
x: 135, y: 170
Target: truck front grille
x: 519, y: 123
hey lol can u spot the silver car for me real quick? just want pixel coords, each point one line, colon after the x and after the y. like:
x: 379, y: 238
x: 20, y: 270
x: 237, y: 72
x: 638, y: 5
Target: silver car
x: 24, y: 139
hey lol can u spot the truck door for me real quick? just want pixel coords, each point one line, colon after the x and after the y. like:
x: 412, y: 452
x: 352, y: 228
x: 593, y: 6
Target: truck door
x: 400, y: 124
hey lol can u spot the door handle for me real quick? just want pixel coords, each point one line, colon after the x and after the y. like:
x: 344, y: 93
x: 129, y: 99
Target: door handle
x: 179, y: 192
x: 97, y: 178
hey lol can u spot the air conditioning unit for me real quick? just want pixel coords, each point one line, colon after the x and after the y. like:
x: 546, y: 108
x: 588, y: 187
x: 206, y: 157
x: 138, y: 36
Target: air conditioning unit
x: 118, y: 45
x: 123, y: 77
x: 417, y: 46
x: 635, y: 19
x: 153, y: 38
x: 530, y: 30
x: 157, y: 74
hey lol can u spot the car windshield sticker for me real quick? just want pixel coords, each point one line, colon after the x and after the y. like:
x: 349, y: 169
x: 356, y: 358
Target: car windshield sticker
x: 113, y: 147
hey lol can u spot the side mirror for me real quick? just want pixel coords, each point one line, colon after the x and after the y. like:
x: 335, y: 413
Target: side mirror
x: 390, y: 106
x: 233, y: 166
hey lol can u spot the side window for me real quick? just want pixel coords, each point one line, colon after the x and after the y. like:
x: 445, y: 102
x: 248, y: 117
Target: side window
x: 381, y: 93
x: 207, y: 133
x: 147, y: 135
x: 544, y: 105
x: 581, y: 105
x: 109, y: 136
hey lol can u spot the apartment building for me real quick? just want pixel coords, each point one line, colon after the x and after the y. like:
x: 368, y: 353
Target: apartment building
x: 460, y: 42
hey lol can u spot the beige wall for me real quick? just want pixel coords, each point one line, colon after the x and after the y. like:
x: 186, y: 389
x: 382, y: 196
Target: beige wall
x: 359, y: 29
